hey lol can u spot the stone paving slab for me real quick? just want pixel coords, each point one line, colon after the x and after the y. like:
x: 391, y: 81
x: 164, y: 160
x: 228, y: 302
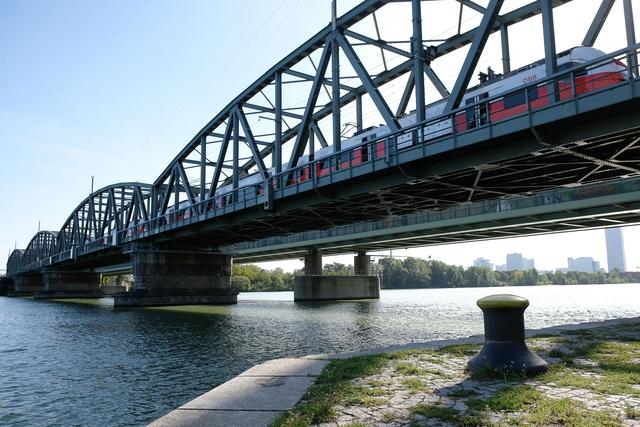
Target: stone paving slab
x: 254, y: 393
x: 286, y: 367
x: 197, y: 418
x: 254, y: 398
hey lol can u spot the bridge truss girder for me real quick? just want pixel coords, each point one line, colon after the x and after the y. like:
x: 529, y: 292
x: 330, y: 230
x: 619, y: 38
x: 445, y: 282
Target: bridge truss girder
x: 206, y: 164
x: 295, y: 129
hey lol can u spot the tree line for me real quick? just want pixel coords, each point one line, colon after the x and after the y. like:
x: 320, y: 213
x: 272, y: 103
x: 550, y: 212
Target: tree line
x: 411, y: 273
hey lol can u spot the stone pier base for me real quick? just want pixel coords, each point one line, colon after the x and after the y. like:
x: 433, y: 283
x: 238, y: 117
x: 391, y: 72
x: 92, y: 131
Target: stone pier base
x: 24, y: 286
x: 6, y: 285
x: 176, y: 277
x: 321, y: 288
x: 70, y: 284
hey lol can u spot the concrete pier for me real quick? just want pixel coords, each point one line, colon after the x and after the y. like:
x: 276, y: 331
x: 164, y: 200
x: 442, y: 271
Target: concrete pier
x: 6, y: 285
x: 70, y: 284
x: 313, y: 286
x: 26, y: 285
x: 322, y: 288
x: 178, y: 277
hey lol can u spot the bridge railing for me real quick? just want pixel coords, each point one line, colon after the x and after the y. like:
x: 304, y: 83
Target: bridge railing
x: 569, y: 85
x: 512, y: 203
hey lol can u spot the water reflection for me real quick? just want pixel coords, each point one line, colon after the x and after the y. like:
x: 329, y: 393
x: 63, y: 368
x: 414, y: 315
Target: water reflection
x: 73, y: 363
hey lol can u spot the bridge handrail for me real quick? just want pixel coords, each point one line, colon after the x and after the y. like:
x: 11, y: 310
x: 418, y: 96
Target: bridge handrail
x: 471, y: 209
x: 605, y: 59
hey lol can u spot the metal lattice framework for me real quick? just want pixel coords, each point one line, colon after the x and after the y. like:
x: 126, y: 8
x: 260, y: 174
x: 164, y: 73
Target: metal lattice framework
x: 109, y: 209
x: 43, y: 245
x: 91, y: 225
x: 343, y: 80
x: 331, y: 73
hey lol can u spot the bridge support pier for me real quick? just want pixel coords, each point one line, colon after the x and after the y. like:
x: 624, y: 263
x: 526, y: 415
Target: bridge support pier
x: 313, y: 286
x: 177, y: 277
x: 26, y: 285
x: 70, y: 284
x: 6, y: 285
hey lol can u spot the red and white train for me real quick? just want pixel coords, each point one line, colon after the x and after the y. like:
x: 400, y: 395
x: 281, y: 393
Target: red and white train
x: 370, y: 144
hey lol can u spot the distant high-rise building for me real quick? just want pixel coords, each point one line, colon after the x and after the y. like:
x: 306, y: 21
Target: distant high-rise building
x: 585, y: 265
x: 483, y: 262
x: 518, y: 262
x: 528, y: 264
x: 615, y: 249
x: 514, y: 262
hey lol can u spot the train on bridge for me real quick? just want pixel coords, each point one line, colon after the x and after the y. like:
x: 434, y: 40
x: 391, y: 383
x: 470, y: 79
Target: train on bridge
x: 370, y: 143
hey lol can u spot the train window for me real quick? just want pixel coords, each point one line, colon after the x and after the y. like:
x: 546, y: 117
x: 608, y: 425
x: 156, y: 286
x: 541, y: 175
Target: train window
x: 514, y: 99
x: 533, y: 93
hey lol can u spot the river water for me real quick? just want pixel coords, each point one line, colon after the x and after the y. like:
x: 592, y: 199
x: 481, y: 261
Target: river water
x: 84, y: 363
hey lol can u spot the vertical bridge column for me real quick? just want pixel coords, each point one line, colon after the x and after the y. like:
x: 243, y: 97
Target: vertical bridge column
x: 313, y: 286
x: 362, y: 264
x: 70, y: 284
x: 26, y: 285
x: 178, y: 277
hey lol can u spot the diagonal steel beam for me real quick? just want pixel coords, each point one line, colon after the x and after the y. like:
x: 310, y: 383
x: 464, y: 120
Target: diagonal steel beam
x: 473, y: 56
x: 598, y: 22
x: 437, y: 83
x: 382, y: 44
x: 368, y: 83
x: 309, y: 77
x: 185, y: 183
x: 251, y: 143
x: 220, y: 163
x: 406, y: 95
x: 167, y: 194
x: 318, y: 132
x: 303, y: 127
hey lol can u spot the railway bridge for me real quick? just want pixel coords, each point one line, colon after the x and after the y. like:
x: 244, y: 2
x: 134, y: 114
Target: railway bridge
x: 380, y: 153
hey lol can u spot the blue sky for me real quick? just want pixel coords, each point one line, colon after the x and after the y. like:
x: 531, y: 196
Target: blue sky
x: 115, y: 89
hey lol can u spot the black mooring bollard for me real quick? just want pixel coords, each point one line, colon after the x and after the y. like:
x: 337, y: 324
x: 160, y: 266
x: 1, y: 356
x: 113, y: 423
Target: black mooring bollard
x: 504, y: 350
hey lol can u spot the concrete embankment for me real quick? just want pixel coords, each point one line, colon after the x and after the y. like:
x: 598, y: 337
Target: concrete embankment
x: 257, y: 396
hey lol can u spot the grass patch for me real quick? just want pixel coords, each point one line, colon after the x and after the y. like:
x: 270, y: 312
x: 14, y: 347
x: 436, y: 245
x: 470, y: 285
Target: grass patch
x: 407, y: 368
x: 378, y: 383
x: 388, y: 417
x: 449, y: 415
x: 363, y: 396
x: 463, y: 393
x: 570, y: 413
x: 414, y: 385
x: 334, y: 386
x: 557, y: 353
x: 509, y: 399
x: 617, y: 372
x: 632, y: 413
x: 461, y: 349
x: 438, y: 412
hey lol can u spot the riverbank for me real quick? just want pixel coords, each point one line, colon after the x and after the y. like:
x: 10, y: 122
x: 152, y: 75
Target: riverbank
x: 593, y: 380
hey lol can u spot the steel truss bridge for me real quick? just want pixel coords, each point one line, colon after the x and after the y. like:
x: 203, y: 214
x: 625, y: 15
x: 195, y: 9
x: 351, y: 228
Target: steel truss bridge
x: 248, y: 181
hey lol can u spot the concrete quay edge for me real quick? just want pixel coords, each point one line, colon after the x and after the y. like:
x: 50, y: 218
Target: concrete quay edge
x: 261, y: 393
